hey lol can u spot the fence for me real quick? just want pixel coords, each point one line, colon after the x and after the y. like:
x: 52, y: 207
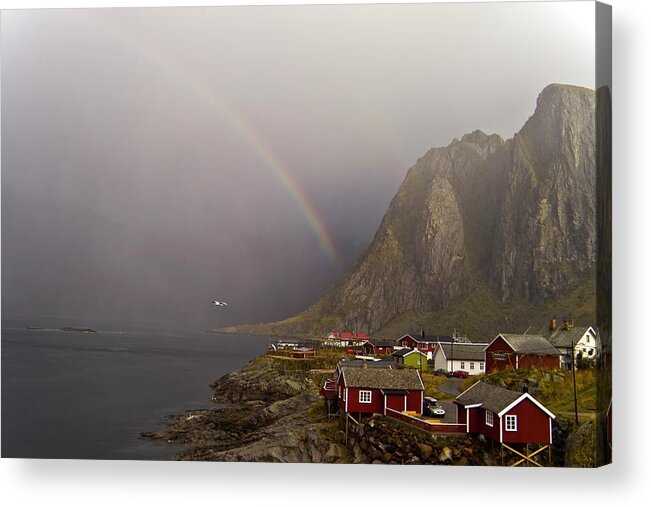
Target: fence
x: 431, y: 427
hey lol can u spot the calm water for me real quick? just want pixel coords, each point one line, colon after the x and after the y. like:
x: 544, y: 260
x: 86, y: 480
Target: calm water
x: 78, y: 395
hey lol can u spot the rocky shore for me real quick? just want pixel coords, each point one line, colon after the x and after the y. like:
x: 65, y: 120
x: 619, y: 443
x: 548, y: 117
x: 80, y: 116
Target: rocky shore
x: 265, y: 412
x: 261, y: 414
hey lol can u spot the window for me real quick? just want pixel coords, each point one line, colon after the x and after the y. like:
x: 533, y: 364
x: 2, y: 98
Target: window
x: 511, y: 423
x: 481, y: 366
x: 590, y: 352
x: 365, y: 396
x: 489, y: 418
x: 462, y: 365
x: 472, y: 366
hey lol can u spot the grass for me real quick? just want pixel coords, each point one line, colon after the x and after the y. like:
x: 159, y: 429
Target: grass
x: 431, y: 383
x: 555, y: 388
x: 325, y: 359
x: 481, y: 315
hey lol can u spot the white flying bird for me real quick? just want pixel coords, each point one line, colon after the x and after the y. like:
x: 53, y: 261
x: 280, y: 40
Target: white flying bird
x: 219, y: 303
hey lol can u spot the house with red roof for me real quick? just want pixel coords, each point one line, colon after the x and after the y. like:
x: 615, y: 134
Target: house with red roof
x: 345, y: 339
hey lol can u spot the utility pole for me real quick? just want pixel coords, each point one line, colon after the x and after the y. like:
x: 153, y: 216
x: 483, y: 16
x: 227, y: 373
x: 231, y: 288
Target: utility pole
x: 576, y: 408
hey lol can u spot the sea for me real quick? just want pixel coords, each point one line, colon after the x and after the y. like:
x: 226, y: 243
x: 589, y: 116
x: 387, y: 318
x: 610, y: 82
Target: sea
x: 90, y: 395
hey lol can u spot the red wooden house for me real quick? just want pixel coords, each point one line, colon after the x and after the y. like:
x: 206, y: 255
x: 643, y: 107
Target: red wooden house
x: 303, y: 352
x: 374, y: 390
x: 345, y: 339
x: 516, y: 351
x: 503, y: 415
x: 377, y: 347
x: 427, y: 344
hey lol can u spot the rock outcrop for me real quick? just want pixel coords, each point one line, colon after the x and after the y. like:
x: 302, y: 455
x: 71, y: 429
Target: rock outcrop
x: 546, y: 234
x: 279, y: 417
x: 515, y: 219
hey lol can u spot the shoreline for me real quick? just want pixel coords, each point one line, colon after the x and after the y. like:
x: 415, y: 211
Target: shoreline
x: 267, y: 412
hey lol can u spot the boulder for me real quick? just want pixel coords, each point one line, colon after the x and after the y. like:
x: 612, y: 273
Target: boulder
x: 580, y: 447
x: 446, y: 455
x: 358, y: 455
x: 425, y: 451
x: 336, y: 452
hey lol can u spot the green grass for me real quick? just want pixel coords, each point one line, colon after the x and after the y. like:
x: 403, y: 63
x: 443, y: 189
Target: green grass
x: 481, y: 315
x: 325, y: 359
x: 555, y: 387
x: 431, y: 383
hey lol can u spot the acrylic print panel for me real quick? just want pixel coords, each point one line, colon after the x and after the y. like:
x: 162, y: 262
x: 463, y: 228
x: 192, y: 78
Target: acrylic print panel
x: 314, y: 234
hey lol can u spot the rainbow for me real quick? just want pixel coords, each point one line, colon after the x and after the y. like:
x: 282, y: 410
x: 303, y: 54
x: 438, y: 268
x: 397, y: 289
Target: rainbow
x: 238, y: 123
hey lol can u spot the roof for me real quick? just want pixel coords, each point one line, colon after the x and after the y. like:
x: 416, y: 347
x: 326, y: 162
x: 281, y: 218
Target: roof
x: 406, y: 351
x: 382, y: 378
x: 357, y: 363
x: 490, y: 397
x: 382, y: 343
x: 469, y: 351
x: 428, y: 338
x: 566, y: 337
x: 348, y: 335
x: 495, y: 398
x: 394, y: 391
x: 530, y: 344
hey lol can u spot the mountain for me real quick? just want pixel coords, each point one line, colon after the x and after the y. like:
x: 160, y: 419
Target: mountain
x: 483, y: 235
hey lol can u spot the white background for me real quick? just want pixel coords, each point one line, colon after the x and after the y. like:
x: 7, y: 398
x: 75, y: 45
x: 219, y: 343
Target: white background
x: 626, y: 482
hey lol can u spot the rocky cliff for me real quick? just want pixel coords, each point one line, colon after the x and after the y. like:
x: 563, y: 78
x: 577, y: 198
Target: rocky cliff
x: 546, y: 234
x: 512, y: 220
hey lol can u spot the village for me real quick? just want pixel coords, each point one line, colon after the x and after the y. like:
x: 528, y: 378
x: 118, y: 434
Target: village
x: 452, y: 385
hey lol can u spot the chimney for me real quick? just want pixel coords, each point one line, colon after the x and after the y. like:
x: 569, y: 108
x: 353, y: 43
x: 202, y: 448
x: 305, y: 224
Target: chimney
x: 422, y: 334
x: 525, y: 389
x: 553, y: 325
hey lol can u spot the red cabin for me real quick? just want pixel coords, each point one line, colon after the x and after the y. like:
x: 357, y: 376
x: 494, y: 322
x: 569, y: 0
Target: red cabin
x: 345, y: 339
x: 374, y: 390
x: 427, y: 344
x: 517, y: 351
x: 503, y: 415
x: 303, y: 352
x: 377, y: 347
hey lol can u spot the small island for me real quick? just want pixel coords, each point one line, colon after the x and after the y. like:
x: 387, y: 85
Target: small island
x: 82, y: 329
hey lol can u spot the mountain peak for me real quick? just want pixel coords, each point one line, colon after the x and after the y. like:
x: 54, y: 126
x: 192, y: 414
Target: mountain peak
x: 557, y: 98
x: 511, y: 220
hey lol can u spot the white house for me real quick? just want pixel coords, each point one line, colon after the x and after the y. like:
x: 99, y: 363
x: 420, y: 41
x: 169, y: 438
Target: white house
x: 582, y: 338
x: 468, y: 357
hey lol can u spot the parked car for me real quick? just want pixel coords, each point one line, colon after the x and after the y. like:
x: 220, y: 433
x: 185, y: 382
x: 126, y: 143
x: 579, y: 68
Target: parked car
x: 432, y: 407
x: 437, y: 411
x: 458, y: 374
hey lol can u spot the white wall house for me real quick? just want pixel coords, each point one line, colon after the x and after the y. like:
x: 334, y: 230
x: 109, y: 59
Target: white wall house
x: 584, y: 340
x: 468, y: 357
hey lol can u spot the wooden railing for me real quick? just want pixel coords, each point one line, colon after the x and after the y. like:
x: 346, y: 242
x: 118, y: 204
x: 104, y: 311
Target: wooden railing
x: 431, y: 427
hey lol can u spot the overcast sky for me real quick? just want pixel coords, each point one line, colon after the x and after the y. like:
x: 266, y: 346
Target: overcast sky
x: 242, y: 153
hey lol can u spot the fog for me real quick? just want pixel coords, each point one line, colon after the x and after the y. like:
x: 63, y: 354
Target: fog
x: 154, y: 160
